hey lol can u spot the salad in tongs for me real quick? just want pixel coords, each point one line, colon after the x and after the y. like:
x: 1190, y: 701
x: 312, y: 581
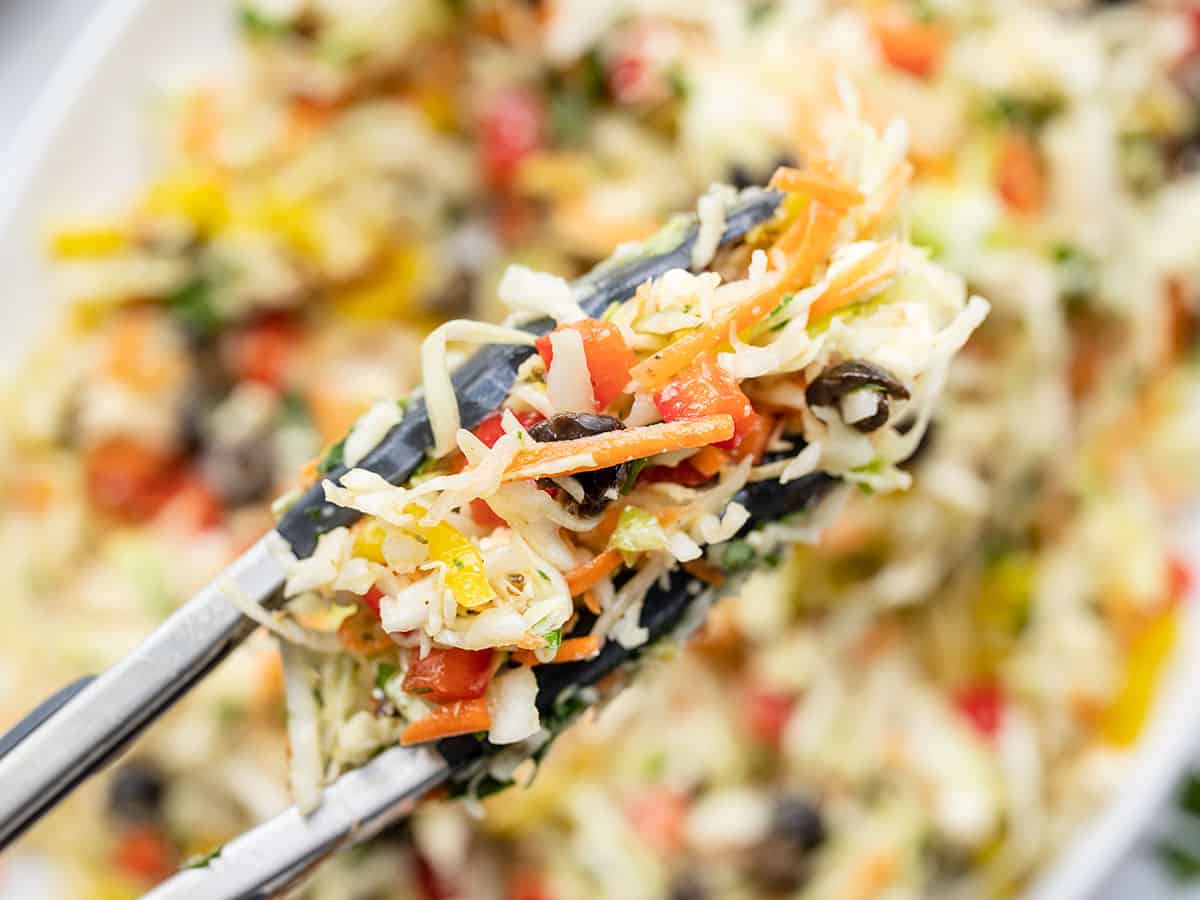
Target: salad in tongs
x: 818, y: 344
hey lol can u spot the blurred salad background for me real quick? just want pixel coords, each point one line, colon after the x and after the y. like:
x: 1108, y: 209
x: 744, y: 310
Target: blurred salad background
x: 297, y: 235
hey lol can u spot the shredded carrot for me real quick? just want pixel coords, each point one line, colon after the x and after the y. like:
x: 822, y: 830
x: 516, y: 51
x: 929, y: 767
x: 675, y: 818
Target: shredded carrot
x: 460, y: 717
x: 1020, y: 177
x: 570, y: 650
x: 705, y: 571
x: 913, y: 46
x: 592, y: 602
x: 591, y: 573
x: 867, y: 276
x: 709, y: 461
x: 601, y: 451
x: 815, y: 239
x: 820, y: 185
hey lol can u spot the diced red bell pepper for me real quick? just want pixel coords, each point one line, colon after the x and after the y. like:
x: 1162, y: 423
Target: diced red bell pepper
x: 684, y: 473
x: 129, y: 479
x: 983, y: 705
x: 527, y: 884
x: 491, y: 430
x: 193, y: 505
x: 1179, y: 579
x: 448, y: 674
x: 263, y: 352
x: 372, y: 597
x: 767, y: 713
x: 657, y: 815
x: 609, y: 358
x: 705, y: 389
x: 511, y: 130
x: 145, y: 854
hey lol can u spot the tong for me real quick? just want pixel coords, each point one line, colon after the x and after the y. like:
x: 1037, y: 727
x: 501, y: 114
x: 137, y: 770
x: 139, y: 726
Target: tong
x: 80, y: 729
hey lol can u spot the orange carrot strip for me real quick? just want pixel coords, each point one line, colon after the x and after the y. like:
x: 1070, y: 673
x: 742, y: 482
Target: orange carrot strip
x: 461, y: 717
x: 819, y: 232
x: 612, y: 448
x: 570, y: 650
x: 591, y: 573
x: 862, y: 279
x: 709, y: 461
x: 592, y: 602
x: 705, y: 571
x: 823, y: 186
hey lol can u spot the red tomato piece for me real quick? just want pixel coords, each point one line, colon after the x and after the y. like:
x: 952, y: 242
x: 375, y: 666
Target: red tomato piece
x: 609, y: 358
x: 767, y: 713
x: 146, y: 854
x: 448, y: 674
x: 263, y: 351
x: 511, y: 130
x: 983, y: 705
x: 705, y: 389
x: 657, y: 815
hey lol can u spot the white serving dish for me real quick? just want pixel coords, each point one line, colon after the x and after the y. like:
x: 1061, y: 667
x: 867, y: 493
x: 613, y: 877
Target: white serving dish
x: 81, y: 152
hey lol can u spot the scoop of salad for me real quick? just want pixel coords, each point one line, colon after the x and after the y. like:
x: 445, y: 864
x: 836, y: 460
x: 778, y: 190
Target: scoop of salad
x: 819, y: 344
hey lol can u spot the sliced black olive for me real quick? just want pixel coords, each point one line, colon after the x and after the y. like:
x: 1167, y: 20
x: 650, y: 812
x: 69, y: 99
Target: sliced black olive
x: 240, y: 473
x: 687, y: 886
x: 836, y: 383
x: 136, y: 792
x: 797, y: 820
x: 783, y: 862
x: 599, y: 488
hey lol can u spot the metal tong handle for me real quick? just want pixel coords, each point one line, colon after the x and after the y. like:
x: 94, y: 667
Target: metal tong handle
x: 94, y: 725
x: 278, y: 854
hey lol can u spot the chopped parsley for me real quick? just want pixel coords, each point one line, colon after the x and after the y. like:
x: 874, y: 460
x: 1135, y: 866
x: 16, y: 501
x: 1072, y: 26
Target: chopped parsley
x: 192, y: 305
x: 258, y: 25
x: 554, y: 638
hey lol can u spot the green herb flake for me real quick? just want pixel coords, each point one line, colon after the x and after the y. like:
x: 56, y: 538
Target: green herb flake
x: 553, y: 638
x: 332, y: 458
x: 192, y: 305
x: 635, y: 469
x: 201, y: 860
x: 737, y: 556
x: 384, y: 674
x: 257, y: 25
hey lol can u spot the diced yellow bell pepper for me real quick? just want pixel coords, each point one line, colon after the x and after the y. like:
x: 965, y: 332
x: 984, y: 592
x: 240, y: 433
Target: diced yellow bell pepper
x: 391, y: 291
x: 88, y: 242
x: 1144, y: 664
x: 198, y: 197
x: 368, y: 542
x: 290, y: 220
x: 464, y: 563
